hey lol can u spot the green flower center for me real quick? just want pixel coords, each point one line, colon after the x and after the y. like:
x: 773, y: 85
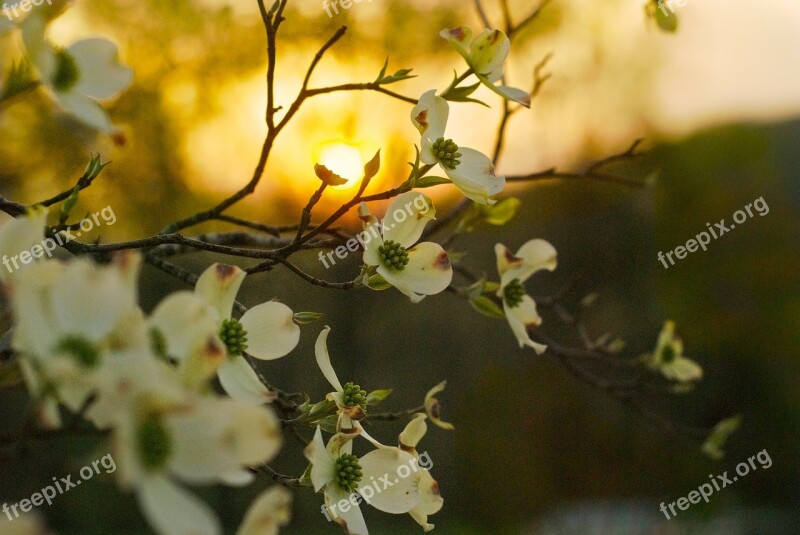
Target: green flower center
x: 67, y: 73
x: 81, y: 349
x: 446, y: 151
x: 668, y: 354
x: 153, y: 443
x: 393, y: 255
x: 353, y: 395
x: 234, y: 336
x: 513, y: 293
x: 348, y: 472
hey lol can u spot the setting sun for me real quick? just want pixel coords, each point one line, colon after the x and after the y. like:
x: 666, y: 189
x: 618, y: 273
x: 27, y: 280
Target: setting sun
x: 344, y: 160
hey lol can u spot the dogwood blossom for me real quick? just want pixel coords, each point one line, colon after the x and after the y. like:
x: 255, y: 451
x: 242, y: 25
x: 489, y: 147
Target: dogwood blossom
x: 416, y: 270
x: 416, y: 494
x: 470, y: 170
x: 668, y: 357
x: 486, y: 56
x: 515, y: 269
x: 351, y: 401
x: 266, y: 331
x: 336, y: 472
x: 76, y: 76
x: 200, y: 441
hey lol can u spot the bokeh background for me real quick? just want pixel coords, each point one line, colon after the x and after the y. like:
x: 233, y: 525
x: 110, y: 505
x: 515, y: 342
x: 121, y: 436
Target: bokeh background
x: 535, y: 450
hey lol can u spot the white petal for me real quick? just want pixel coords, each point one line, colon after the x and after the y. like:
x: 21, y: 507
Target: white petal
x: 101, y: 75
x: 421, y: 518
x: 241, y: 382
x: 90, y: 300
x: 430, y: 115
x: 255, y: 431
x: 18, y: 235
x: 458, y: 38
x: 185, y: 319
x: 270, y: 511
x: 219, y: 285
x: 271, y: 330
x: 488, y: 53
x: 406, y: 218
x: 520, y: 318
x: 431, y: 501
x: 475, y: 176
x: 401, y: 496
x: 171, y: 510
x: 349, y: 517
x: 683, y: 370
x: 428, y: 272
x: 372, y: 240
x: 534, y: 256
x: 323, y: 466
x: 414, y: 432
x: 513, y: 94
x: 324, y: 359
x: 85, y: 110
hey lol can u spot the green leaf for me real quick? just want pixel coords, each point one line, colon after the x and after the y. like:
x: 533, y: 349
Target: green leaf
x: 328, y: 424
x: 487, y: 307
x: 304, y: 318
x: 501, y: 213
x: 69, y: 205
x: 383, y: 79
x: 376, y: 396
x: 376, y: 282
x: 430, y: 181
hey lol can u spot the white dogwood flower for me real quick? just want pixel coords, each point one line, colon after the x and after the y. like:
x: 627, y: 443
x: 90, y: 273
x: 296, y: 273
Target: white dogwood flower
x: 470, y: 170
x: 70, y: 318
x: 668, y: 357
x: 407, y: 487
x: 416, y: 270
x: 199, y: 441
x: 79, y: 75
x: 266, y: 331
x: 486, y: 56
x: 515, y: 269
x: 351, y: 401
x: 337, y: 473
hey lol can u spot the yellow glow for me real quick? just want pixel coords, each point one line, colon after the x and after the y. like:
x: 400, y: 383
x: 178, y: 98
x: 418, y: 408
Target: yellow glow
x: 344, y: 160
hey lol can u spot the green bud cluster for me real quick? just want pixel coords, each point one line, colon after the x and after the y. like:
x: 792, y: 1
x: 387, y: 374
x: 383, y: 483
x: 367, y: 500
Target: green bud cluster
x: 446, y: 151
x: 393, y: 255
x: 353, y: 395
x: 513, y: 293
x: 234, y: 336
x: 348, y: 472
